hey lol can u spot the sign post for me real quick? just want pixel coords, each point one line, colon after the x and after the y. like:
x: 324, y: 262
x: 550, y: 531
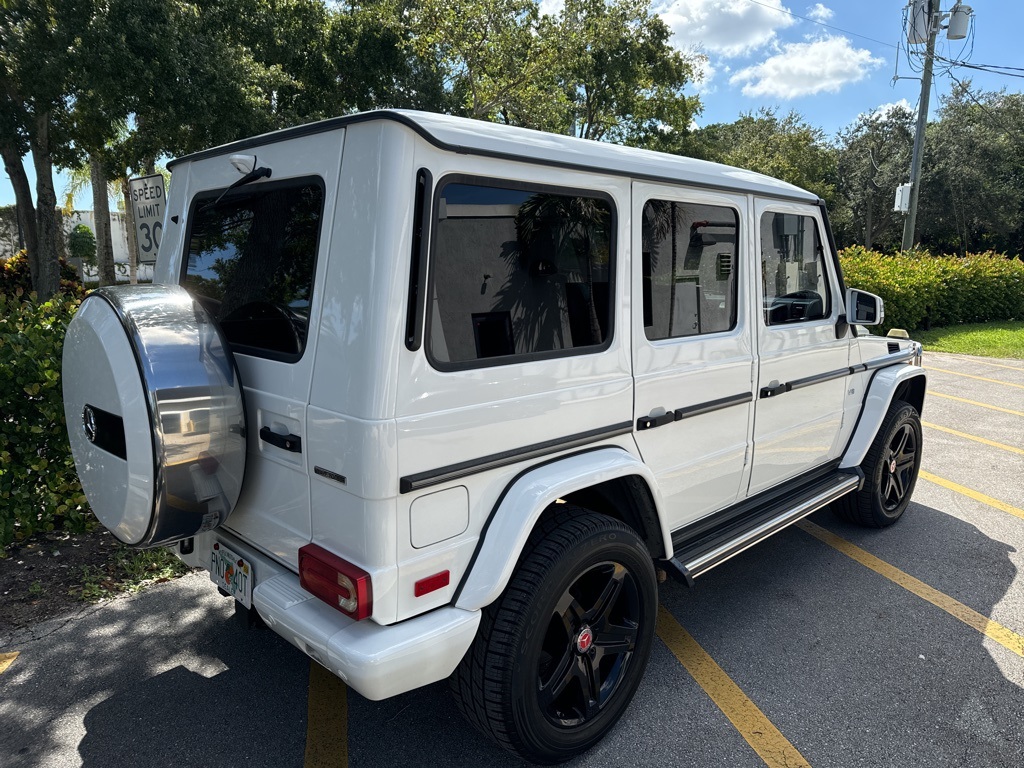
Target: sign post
x: 148, y: 199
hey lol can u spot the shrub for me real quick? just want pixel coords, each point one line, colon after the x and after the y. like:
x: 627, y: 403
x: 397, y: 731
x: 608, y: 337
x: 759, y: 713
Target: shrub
x: 15, y: 275
x: 39, y: 488
x: 921, y: 290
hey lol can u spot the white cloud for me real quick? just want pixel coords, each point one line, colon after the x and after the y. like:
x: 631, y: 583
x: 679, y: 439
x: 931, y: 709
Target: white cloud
x: 883, y: 110
x: 803, y: 69
x: 819, y: 12
x: 725, y: 27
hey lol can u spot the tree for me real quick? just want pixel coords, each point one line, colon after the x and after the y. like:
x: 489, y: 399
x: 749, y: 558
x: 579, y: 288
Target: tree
x: 622, y: 79
x: 972, y: 195
x: 788, y: 148
x: 874, y: 158
x: 600, y: 69
x: 38, y: 40
x: 496, y: 58
x: 82, y: 244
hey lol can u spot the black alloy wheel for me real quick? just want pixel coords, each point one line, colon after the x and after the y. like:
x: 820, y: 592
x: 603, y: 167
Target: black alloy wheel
x: 890, y: 471
x: 589, y: 644
x: 559, y: 655
x: 899, y: 467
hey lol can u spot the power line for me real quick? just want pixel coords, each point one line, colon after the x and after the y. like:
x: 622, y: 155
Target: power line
x: 821, y: 23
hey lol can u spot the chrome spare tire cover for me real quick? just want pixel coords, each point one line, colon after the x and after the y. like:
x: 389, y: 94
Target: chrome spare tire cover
x: 154, y: 413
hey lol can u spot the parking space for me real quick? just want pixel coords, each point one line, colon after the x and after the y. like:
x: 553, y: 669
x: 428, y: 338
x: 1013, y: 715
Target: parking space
x: 828, y: 645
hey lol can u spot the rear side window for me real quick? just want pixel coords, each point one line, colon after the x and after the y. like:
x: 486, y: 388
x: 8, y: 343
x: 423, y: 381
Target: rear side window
x: 689, y: 269
x: 250, y: 262
x: 793, y: 271
x: 518, y: 272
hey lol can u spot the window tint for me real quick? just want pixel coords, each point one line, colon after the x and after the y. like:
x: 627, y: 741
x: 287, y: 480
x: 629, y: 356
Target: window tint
x: 793, y: 270
x: 250, y: 262
x: 518, y: 272
x: 689, y: 269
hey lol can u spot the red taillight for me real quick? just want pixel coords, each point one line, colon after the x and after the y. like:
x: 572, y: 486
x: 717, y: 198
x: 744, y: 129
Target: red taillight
x: 335, y: 581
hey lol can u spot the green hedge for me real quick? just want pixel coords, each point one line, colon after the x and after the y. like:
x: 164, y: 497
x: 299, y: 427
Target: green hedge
x: 921, y: 290
x: 39, y: 488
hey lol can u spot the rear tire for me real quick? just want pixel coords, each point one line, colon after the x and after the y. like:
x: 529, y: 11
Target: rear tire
x: 559, y: 655
x: 890, y: 470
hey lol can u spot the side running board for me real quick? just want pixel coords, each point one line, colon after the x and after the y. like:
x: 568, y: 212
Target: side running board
x: 699, y: 552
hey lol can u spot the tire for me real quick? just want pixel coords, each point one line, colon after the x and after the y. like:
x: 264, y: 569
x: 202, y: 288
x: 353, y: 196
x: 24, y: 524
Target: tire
x: 559, y: 655
x: 890, y: 471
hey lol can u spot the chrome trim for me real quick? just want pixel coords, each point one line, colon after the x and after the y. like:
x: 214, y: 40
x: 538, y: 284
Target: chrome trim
x: 190, y: 378
x: 726, y: 551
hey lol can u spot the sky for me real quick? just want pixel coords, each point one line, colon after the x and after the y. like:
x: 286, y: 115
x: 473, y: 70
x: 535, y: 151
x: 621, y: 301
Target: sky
x: 829, y: 61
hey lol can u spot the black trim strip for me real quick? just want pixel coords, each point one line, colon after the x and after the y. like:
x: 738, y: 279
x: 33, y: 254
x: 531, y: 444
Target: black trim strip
x: 495, y: 460
x: 650, y: 422
x: 885, y: 362
x: 819, y: 378
x: 331, y: 124
x: 871, y: 365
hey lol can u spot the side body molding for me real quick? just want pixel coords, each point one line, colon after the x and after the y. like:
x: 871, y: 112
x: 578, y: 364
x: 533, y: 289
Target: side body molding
x: 880, y: 393
x: 523, y: 503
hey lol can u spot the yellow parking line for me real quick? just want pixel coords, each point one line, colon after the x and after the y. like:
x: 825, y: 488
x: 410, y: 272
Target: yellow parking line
x: 975, y: 402
x: 1001, y: 365
x: 326, y: 721
x: 6, y: 659
x: 992, y: 629
x: 972, y: 376
x: 765, y: 739
x: 977, y: 439
x: 1002, y: 506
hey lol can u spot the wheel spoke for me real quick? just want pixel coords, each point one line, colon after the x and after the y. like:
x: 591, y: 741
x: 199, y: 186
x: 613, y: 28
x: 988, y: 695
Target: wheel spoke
x: 564, y: 673
x: 590, y: 681
x: 902, y: 437
x: 609, y: 595
x: 570, y: 612
x: 613, y: 640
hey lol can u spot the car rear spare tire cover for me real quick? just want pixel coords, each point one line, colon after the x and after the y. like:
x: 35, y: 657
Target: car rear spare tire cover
x: 154, y: 413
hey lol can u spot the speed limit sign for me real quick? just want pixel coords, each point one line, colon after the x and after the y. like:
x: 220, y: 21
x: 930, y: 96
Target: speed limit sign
x: 148, y: 198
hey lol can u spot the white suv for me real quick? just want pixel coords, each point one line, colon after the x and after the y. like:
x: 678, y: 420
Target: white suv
x: 438, y: 397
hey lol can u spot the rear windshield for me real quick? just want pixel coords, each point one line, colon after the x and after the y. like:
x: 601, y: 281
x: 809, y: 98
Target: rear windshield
x: 250, y: 262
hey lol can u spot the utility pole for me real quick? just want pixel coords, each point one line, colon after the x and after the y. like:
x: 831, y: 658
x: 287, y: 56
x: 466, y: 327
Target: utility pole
x: 910, y: 223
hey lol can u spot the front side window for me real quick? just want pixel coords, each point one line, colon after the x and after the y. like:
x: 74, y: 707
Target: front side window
x: 793, y: 271
x: 250, y: 262
x: 518, y: 272
x: 689, y: 269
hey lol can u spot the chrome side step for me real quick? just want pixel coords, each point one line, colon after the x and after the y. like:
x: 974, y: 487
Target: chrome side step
x: 697, y: 556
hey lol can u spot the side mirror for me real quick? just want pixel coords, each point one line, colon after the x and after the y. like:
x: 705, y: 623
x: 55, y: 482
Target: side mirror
x: 863, y: 308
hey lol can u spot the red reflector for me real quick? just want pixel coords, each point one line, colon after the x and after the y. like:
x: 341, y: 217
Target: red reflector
x: 432, y: 583
x: 335, y: 581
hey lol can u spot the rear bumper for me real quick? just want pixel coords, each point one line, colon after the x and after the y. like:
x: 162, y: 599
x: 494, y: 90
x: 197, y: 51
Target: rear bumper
x: 376, y: 661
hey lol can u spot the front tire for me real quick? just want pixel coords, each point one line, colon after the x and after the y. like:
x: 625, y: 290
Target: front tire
x: 559, y: 655
x: 890, y: 470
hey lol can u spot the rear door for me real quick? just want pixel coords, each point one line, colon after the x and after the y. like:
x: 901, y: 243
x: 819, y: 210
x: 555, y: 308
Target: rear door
x: 804, y: 362
x: 254, y: 258
x: 692, y: 345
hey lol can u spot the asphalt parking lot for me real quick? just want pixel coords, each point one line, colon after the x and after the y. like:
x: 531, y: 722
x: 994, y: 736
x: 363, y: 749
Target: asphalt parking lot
x: 828, y: 645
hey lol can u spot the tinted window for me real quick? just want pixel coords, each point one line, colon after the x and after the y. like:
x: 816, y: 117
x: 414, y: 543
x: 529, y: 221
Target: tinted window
x: 793, y: 270
x: 689, y: 269
x: 518, y: 272
x: 250, y: 262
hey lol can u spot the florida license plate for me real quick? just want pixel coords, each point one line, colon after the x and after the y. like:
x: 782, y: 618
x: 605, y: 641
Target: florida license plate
x: 231, y: 573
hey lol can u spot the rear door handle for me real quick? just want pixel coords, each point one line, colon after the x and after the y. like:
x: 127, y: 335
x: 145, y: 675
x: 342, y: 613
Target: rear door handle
x: 288, y: 442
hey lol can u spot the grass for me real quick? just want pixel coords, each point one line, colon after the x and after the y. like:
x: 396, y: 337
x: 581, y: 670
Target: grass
x: 1004, y: 339
x: 130, y: 570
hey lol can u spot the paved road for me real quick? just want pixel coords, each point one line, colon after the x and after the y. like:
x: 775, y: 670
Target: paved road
x: 828, y: 645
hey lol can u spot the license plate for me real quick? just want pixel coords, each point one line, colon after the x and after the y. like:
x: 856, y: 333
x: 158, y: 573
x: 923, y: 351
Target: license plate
x: 231, y: 573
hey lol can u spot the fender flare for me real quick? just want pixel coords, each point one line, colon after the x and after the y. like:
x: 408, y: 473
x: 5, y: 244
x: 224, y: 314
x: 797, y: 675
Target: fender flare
x: 881, y: 391
x: 522, y: 504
